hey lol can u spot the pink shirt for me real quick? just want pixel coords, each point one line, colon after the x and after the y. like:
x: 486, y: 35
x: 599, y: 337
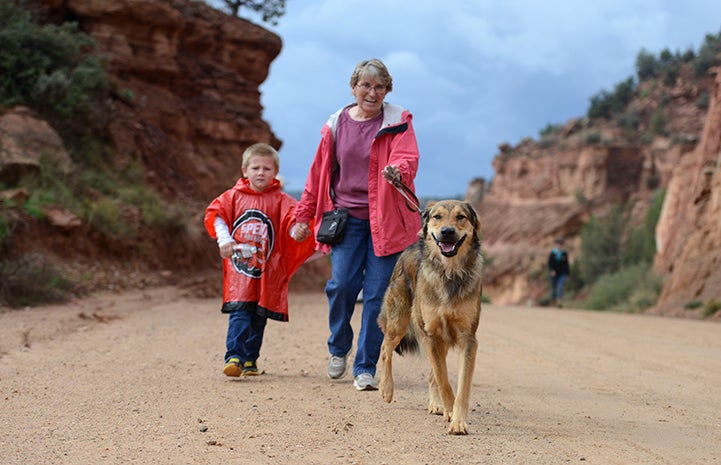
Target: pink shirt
x: 353, y: 151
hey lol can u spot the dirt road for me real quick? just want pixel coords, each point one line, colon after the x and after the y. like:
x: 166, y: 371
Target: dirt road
x: 135, y: 378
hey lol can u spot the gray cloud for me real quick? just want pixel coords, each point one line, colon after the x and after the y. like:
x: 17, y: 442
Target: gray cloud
x: 473, y: 73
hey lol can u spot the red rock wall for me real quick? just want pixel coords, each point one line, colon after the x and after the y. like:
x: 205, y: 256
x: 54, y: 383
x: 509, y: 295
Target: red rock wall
x: 186, y: 81
x: 540, y: 193
x: 689, y: 230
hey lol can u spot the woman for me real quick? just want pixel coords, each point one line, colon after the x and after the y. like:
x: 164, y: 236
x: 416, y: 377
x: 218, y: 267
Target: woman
x: 373, y: 143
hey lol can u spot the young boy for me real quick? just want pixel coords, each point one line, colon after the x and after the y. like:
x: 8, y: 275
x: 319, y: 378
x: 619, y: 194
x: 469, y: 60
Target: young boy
x: 252, y: 223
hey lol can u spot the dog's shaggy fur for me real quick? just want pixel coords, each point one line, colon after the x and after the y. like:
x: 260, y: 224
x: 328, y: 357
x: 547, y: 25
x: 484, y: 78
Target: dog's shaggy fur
x: 435, y: 295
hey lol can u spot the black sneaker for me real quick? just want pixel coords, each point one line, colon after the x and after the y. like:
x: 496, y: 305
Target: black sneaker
x: 250, y: 368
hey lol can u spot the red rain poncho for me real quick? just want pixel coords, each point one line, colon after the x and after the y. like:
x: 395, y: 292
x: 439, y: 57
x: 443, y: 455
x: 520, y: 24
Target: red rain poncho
x: 263, y: 220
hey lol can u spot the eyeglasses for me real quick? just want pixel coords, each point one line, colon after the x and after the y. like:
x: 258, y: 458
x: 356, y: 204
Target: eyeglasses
x: 367, y: 87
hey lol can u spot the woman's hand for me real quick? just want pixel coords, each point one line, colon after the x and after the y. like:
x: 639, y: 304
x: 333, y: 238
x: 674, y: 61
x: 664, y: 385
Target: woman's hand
x: 391, y: 174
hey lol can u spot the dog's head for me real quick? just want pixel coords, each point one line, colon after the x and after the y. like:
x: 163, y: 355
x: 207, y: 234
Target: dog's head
x: 451, y: 225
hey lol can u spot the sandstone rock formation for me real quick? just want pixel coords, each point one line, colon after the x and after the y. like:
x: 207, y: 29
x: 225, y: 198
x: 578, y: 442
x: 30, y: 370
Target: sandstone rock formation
x: 186, y: 81
x: 689, y: 230
x: 550, y: 188
x: 24, y: 139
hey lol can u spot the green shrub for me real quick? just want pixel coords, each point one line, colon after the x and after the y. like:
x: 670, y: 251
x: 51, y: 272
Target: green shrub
x: 630, y: 289
x: 105, y: 214
x: 711, y: 307
x: 647, y: 67
x: 605, y: 104
x: 601, y: 240
x: 658, y: 123
x: 51, y: 69
x: 693, y: 304
x: 703, y: 101
x: 709, y: 55
x: 32, y: 280
x: 640, y: 244
x: 550, y: 130
x: 593, y: 138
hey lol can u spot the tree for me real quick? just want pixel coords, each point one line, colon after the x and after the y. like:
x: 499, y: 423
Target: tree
x: 269, y: 10
x: 647, y: 66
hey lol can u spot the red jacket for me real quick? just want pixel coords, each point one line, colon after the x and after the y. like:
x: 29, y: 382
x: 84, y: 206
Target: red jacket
x: 393, y: 226
x: 262, y: 219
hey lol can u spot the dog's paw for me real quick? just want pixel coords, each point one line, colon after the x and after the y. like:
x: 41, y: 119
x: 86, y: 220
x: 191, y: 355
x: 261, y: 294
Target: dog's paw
x: 386, y: 391
x: 435, y: 409
x: 458, y: 428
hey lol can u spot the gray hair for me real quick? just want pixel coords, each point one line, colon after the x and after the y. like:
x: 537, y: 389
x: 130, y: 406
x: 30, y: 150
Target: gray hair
x: 375, y: 69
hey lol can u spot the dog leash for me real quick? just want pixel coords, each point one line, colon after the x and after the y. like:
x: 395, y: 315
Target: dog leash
x: 410, y: 198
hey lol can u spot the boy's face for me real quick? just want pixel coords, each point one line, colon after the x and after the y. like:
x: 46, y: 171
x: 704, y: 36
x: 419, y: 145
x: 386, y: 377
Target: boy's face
x: 260, y: 172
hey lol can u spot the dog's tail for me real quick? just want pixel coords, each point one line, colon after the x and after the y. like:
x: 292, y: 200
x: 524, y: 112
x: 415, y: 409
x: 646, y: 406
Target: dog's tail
x: 409, y: 343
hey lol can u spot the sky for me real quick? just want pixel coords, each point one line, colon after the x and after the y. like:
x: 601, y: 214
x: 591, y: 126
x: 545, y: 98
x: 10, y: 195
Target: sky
x: 474, y: 73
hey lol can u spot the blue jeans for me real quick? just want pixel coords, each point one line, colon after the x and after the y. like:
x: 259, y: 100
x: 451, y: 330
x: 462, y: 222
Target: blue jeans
x: 557, y: 282
x: 355, y: 267
x: 245, y: 335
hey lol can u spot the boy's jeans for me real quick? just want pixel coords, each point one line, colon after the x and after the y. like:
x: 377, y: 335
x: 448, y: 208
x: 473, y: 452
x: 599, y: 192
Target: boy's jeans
x: 355, y: 267
x: 245, y: 335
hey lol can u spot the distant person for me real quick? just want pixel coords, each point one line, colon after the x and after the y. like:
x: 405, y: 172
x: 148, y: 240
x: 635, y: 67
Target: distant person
x: 559, y: 271
x: 364, y: 147
x: 252, y: 223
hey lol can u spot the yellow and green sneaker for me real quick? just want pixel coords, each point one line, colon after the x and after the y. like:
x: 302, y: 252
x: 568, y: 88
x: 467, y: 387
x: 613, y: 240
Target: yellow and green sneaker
x: 250, y: 368
x: 232, y: 368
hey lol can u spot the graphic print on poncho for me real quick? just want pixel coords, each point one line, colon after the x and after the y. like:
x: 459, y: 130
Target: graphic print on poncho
x: 255, y: 229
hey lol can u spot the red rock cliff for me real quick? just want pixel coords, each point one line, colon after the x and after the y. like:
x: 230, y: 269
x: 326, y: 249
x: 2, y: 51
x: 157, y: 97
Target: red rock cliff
x: 186, y: 79
x: 551, y: 187
x: 688, y: 235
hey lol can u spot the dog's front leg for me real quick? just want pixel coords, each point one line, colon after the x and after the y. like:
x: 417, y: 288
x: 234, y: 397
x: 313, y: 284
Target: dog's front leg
x: 459, y: 421
x: 435, y: 403
x: 437, y: 352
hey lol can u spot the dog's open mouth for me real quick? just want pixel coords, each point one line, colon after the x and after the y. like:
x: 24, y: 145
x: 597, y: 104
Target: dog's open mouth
x: 449, y: 248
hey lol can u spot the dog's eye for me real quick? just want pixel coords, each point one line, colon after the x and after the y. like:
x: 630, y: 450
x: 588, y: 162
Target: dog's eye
x: 437, y: 216
x: 460, y: 217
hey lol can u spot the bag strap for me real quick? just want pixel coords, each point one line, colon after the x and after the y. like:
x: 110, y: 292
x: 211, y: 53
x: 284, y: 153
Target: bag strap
x: 335, y: 166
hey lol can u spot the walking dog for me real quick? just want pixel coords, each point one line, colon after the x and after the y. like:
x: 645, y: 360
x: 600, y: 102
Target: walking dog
x: 435, y: 295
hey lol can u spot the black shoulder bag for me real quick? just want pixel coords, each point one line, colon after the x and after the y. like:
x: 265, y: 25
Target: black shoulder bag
x: 332, y: 226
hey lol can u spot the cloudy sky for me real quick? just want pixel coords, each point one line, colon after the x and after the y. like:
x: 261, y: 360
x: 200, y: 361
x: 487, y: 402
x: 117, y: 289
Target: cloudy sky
x: 474, y: 73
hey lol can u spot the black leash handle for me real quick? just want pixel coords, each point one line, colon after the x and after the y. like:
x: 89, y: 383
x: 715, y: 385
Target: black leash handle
x: 410, y: 198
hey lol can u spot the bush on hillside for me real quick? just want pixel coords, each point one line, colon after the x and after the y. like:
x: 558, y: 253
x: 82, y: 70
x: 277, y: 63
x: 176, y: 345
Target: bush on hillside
x: 605, y: 104
x: 51, y: 69
x: 630, y: 289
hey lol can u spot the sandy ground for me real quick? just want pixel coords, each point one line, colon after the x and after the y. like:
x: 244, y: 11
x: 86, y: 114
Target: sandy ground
x: 135, y: 378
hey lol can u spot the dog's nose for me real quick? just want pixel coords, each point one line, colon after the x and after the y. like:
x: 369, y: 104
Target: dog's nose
x: 448, y: 231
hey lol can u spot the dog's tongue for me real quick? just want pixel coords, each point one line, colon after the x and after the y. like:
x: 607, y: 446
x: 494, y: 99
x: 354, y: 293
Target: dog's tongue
x: 446, y: 246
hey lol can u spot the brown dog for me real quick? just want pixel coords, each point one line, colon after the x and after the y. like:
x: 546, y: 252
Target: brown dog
x: 435, y: 295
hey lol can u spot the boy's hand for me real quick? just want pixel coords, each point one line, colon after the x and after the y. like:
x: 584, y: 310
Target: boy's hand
x: 226, y: 250
x: 245, y: 250
x: 300, y: 231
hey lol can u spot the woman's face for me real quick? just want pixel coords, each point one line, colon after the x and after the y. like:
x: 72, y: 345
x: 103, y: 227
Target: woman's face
x: 369, y: 95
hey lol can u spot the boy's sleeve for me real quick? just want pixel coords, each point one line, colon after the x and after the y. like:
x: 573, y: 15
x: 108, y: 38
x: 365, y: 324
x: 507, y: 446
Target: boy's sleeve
x: 215, y: 209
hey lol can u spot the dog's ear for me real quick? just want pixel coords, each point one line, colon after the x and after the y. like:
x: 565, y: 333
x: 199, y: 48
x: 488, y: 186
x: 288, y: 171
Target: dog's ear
x: 473, y: 216
x: 425, y: 214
